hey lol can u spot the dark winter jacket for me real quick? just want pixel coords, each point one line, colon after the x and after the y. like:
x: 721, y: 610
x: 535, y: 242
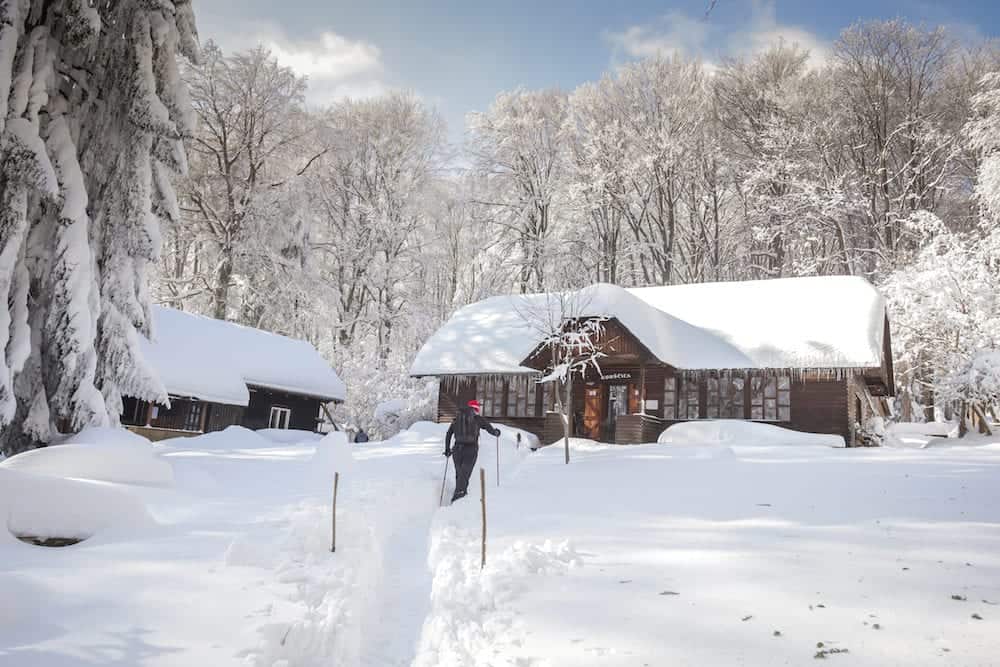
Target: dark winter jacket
x: 465, y: 429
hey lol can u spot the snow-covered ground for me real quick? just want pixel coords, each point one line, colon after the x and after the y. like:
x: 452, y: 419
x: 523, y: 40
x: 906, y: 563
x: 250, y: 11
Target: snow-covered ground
x: 742, y: 552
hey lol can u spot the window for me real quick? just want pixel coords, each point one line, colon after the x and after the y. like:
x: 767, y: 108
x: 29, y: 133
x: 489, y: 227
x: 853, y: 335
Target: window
x: 192, y: 421
x: 549, y: 390
x: 518, y: 401
x: 771, y: 399
x: 489, y: 393
x: 279, y: 417
x: 687, y: 399
x: 670, y: 398
x: 521, y: 397
x: 725, y: 398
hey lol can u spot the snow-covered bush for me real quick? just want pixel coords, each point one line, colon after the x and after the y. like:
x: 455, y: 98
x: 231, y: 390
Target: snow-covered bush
x: 978, y: 380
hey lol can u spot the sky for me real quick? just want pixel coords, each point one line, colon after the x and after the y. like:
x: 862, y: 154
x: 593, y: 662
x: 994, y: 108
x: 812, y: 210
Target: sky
x: 457, y: 55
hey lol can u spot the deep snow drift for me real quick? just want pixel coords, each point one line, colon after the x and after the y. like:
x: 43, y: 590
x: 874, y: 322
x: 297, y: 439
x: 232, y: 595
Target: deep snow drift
x: 755, y: 553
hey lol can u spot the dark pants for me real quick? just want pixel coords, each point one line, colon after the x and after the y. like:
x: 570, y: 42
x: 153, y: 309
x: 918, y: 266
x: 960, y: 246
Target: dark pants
x: 465, y: 456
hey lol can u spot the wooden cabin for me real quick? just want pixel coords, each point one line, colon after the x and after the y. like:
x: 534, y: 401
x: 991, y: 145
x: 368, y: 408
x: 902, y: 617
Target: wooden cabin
x: 810, y: 354
x: 220, y: 374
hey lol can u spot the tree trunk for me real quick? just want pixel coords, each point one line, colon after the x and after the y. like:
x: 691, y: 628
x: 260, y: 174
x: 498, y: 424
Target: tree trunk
x: 223, y: 276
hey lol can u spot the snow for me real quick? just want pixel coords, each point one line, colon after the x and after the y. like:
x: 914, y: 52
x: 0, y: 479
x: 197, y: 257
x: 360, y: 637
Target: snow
x: 94, y: 462
x: 627, y: 556
x: 737, y: 432
x: 44, y: 506
x: 215, y: 360
x: 827, y: 322
x: 100, y: 454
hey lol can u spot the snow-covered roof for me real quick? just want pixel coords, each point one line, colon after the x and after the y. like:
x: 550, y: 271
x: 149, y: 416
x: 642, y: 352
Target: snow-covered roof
x: 215, y: 360
x: 823, y: 322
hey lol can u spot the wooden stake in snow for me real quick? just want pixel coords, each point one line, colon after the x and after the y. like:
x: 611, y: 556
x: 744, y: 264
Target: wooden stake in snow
x: 444, y: 480
x: 482, y: 500
x: 333, y: 524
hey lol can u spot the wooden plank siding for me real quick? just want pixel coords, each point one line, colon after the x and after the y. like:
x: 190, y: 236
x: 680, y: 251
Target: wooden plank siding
x: 817, y: 406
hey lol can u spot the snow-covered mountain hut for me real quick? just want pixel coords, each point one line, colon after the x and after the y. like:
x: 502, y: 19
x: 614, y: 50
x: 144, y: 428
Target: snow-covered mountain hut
x: 219, y: 374
x: 812, y: 354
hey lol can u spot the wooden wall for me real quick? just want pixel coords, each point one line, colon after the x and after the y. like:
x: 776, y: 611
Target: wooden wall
x: 304, y: 409
x: 820, y: 406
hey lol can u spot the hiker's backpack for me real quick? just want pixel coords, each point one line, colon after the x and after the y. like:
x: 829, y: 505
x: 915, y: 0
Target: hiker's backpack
x: 467, y: 426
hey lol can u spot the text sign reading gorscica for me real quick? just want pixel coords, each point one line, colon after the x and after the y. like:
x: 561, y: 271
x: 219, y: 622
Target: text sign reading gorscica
x: 617, y: 376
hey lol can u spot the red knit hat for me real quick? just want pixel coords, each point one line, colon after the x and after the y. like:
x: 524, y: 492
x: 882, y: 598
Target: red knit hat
x: 474, y: 404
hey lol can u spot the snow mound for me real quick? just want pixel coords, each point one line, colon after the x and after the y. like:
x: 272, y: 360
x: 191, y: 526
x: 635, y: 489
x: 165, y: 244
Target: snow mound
x: 469, y: 616
x: 108, y: 437
x: 42, y: 506
x: 231, y: 439
x: 289, y: 436
x: 333, y: 454
x: 105, y: 463
x: 909, y: 435
x: 735, y: 432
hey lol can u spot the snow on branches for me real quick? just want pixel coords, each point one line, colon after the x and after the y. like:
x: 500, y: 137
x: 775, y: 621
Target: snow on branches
x: 92, y: 118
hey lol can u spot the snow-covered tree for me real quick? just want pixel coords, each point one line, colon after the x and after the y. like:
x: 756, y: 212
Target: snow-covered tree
x: 253, y: 139
x: 92, y: 117
x: 945, y: 306
x: 984, y: 136
x: 519, y: 148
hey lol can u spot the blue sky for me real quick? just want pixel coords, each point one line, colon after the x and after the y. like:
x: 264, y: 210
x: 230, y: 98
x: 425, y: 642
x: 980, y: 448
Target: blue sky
x: 458, y: 55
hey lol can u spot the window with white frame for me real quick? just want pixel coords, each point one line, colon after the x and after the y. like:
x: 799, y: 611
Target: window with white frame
x: 771, y: 398
x: 725, y: 398
x: 279, y: 417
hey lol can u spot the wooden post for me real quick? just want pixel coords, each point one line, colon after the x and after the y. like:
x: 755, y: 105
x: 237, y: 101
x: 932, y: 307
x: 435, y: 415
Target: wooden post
x: 482, y: 500
x: 333, y: 525
x: 498, y: 461
x: 642, y: 389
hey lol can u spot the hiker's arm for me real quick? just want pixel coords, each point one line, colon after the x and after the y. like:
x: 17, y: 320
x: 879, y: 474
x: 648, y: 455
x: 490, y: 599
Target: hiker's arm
x: 488, y: 427
x: 447, y: 439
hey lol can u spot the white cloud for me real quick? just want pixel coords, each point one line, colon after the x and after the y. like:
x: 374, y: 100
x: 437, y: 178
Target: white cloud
x: 337, y: 67
x: 676, y: 33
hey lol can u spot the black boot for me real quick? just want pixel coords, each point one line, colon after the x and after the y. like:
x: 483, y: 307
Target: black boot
x: 458, y: 495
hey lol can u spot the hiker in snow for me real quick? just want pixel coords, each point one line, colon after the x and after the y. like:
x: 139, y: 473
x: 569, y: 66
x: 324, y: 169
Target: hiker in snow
x: 465, y: 429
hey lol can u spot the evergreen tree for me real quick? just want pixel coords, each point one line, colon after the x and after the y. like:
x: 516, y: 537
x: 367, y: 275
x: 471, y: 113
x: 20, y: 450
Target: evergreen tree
x: 92, y: 121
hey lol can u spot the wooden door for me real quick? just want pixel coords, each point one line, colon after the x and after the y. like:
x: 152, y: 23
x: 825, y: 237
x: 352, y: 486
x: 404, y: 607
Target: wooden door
x: 594, y: 402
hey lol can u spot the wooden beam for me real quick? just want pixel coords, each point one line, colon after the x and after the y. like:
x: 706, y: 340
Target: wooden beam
x: 642, y: 388
x: 326, y: 411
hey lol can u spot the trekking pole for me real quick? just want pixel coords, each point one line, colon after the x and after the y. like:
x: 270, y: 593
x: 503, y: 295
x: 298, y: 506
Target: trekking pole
x: 482, y: 499
x: 444, y: 480
x: 498, y: 460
